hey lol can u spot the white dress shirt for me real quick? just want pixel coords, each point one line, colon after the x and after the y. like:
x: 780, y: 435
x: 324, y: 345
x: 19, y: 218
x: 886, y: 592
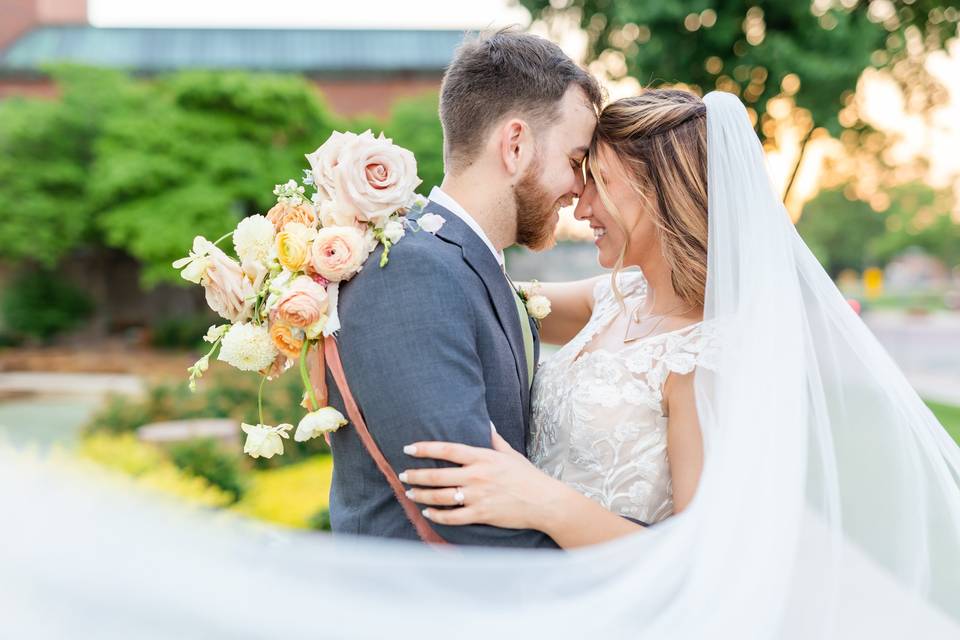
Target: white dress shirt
x: 437, y: 195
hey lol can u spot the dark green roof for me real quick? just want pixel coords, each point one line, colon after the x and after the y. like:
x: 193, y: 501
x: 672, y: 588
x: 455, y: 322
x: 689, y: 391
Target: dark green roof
x: 306, y: 50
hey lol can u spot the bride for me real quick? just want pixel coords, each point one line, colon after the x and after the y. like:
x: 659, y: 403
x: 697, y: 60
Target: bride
x: 614, y: 430
x: 751, y: 461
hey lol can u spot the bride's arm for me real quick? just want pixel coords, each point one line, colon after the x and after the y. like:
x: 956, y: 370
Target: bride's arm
x: 571, y: 304
x: 504, y: 489
x: 684, y: 439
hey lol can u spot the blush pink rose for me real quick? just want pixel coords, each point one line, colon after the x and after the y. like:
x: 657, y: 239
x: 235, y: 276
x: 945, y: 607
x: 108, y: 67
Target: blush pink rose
x: 337, y: 253
x: 303, y: 304
x: 228, y: 290
x: 324, y: 160
x: 374, y: 178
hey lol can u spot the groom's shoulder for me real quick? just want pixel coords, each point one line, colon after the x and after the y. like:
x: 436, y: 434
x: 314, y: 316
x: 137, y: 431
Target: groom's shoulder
x: 418, y: 255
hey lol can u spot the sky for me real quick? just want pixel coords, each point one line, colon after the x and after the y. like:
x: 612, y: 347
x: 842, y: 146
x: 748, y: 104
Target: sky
x: 369, y: 14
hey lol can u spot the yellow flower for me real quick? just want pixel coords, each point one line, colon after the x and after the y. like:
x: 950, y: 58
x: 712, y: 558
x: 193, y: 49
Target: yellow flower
x: 293, y: 244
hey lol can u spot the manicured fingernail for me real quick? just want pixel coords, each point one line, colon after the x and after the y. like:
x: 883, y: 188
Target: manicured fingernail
x: 410, y: 449
x: 409, y: 493
x: 403, y: 476
x: 426, y: 513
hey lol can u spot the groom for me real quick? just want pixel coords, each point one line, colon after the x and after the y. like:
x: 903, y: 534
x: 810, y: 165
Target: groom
x: 437, y: 345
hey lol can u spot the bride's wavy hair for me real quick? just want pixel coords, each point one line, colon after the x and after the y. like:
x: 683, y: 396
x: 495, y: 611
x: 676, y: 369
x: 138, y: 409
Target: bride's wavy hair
x: 660, y: 136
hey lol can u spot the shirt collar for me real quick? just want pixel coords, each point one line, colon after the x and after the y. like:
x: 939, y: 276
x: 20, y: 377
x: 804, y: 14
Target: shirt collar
x: 444, y: 200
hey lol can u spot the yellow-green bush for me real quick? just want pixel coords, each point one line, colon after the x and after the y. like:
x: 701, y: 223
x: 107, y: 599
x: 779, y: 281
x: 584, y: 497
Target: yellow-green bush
x: 289, y: 495
x: 150, y: 468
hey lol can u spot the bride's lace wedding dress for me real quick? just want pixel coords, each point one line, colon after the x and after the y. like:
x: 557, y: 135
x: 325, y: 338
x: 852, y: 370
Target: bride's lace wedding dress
x: 598, y: 420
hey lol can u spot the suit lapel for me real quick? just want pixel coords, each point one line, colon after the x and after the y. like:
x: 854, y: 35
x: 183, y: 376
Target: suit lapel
x: 485, y: 265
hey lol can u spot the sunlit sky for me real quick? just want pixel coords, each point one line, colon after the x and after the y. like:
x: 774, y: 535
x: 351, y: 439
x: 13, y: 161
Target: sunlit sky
x: 938, y: 139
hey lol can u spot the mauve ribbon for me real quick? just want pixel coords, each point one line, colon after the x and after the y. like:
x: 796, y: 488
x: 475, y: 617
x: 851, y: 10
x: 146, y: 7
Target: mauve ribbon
x: 424, y: 530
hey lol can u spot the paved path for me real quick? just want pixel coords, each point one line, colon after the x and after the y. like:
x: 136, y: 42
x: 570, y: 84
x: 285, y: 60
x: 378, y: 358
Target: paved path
x: 927, y: 348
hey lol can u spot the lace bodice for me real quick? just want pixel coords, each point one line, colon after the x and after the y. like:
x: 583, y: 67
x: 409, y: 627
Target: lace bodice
x: 598, y: 421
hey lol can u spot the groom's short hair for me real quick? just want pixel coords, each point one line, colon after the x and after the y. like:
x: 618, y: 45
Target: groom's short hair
x: 504, y: 72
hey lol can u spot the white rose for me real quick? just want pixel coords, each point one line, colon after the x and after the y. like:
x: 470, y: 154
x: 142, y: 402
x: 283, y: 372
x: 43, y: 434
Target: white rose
x: 430, y: 222
x: 247, y: 347
x: 315, y: 423
x: 264, y: 441
x: 254, y: 240
x: 538, y: 307
x: 394, y: 231
x: 375, y: 177
x: 323, y: 162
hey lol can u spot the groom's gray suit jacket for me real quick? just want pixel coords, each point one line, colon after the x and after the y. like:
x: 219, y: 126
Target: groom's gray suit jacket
x: 432, y: 349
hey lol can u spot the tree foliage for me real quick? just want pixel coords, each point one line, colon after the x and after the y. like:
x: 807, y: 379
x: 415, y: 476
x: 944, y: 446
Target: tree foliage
x: 848, y: 234
x: 144, y: 165
x: 762, y: 49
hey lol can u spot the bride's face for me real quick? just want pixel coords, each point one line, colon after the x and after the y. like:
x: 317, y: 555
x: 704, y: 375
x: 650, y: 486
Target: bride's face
x: 636, y: 222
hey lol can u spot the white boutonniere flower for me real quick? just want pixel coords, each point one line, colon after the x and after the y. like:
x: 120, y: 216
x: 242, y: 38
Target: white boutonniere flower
x: 537, y: 305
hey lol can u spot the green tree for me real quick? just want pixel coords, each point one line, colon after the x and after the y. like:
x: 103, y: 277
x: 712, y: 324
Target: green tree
x: 46, y: 151
x: 839, y: 230
x: 849, y: 234
x: 763, y: 49
x: 200, y: 151
x: 414, y: 123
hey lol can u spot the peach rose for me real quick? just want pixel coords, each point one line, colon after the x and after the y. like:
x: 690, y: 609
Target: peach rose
x: 283, y: 213
x: 324, y: 161
x: 293, y: 245
x: 229, y: 292
x: 286, y: 339
x: 374, y: 178
x: 338, y: 253
x: 304, y: 303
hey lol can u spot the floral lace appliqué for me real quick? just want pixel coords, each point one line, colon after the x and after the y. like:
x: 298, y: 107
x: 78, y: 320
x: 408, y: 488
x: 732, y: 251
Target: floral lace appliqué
x: 598, y: 423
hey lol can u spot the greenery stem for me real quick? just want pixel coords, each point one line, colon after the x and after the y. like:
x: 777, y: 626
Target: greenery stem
x: 260, y: 399
x: 305, y: 377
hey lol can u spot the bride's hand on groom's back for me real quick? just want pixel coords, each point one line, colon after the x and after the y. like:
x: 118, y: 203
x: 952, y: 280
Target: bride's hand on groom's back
x: 498, y: 486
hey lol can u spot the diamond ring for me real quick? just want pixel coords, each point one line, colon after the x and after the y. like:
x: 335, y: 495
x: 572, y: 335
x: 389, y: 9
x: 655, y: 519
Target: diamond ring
x: 458, y: 496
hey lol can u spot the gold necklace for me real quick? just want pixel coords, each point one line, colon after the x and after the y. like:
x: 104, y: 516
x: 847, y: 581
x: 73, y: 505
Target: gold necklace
x: 634, y: 317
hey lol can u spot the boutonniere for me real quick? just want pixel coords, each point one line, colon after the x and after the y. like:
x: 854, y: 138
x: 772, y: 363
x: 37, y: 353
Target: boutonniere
x: 537, y: 305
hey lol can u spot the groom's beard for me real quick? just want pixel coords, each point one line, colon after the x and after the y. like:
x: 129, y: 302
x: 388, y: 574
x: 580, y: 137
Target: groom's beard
x: 535, y: 209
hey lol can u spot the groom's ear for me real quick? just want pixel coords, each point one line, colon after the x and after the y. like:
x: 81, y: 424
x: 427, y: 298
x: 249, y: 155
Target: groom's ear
x: 514, y: 140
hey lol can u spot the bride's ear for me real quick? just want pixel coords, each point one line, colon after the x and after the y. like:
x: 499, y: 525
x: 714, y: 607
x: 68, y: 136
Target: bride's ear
x: 514, y: 140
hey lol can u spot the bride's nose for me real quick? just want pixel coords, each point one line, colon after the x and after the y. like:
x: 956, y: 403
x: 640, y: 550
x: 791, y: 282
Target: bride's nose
x: 583, y: 210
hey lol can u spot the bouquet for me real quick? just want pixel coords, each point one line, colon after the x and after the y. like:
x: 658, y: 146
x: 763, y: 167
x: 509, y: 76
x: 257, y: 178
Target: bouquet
x: 279, y: 297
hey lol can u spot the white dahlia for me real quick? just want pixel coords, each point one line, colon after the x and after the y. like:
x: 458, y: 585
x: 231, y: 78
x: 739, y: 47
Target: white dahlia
x: 247, y: 347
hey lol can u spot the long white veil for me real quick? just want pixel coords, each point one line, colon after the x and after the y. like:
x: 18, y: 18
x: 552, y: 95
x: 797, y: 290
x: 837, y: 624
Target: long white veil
x: 829, y: 504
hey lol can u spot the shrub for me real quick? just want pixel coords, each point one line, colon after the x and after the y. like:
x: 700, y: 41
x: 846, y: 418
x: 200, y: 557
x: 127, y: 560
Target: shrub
x: 150, y: 468
x: 207, y: 459
x: 41, y: 304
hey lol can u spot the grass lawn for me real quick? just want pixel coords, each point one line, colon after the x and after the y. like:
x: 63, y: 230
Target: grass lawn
x: 949, y: 417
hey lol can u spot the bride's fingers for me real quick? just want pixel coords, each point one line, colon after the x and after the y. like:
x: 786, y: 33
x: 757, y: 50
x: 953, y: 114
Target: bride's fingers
x: 441, y: 497
x: 462, y: 515
x: 441, y: 477
x: 451, y: 451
